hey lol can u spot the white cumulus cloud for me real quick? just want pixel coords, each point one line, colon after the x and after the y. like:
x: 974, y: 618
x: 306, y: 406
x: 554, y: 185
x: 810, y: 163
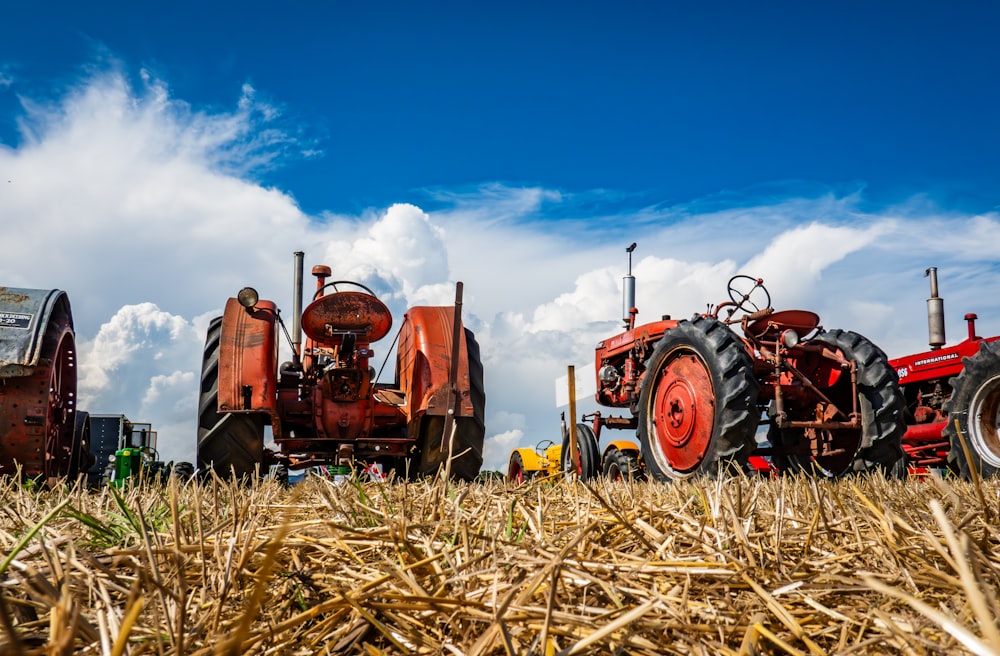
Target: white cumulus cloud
x: 144, y: 210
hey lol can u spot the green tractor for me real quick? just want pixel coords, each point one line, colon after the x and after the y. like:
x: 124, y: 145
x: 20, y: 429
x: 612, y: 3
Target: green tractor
x: 129, y: 449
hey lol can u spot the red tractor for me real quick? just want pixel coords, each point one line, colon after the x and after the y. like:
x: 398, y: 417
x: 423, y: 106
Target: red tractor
x: 697, y: 391
x: 325, y: 406
x: 952, y: 396
x: 41, y: 431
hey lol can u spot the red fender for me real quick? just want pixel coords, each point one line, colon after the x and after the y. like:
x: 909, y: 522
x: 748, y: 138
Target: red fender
x: 248, y: 358
x: 423, y: 363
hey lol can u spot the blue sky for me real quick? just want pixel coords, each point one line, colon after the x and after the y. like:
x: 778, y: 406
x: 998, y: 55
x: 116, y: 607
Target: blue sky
x: 155, y: 158
x: 663, y: 101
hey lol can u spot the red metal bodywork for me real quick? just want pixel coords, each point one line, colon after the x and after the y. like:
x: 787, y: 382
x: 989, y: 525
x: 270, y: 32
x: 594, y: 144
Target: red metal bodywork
x: 627, y: 350
x: 925, y: 381
x: 248, y: 358
x: 424, y: 360
x: 789, y: 378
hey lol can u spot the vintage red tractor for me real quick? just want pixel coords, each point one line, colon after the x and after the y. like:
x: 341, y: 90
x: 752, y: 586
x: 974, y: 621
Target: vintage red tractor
x: 952, y: 396
x: 325, y: 406
x: 697, y: 391
x: 41, y: 431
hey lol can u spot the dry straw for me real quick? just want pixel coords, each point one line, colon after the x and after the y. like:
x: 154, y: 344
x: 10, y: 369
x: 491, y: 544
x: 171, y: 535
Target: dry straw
x: 738, y: 566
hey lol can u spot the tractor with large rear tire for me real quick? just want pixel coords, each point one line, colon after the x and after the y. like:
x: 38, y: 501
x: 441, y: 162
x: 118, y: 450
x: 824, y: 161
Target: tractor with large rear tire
x: 325, y: 406
x: 42, y: 435
x: 697, y: 391
x: 952, y: 399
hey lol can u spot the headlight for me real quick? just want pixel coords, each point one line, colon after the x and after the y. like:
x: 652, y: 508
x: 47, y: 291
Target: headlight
x: 248, y: 297
x: 790, y: 338
x: 608, y: 374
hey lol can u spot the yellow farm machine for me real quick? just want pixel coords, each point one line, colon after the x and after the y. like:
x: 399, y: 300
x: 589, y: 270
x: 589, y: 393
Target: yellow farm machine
x: 620, y: 459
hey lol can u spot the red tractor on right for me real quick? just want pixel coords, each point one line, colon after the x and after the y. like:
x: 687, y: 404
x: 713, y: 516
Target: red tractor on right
x: 952, y: 399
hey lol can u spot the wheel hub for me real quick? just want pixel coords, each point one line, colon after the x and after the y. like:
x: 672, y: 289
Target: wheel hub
x: 680, y: 412
x: 984, y: 416
x: 683, y: 413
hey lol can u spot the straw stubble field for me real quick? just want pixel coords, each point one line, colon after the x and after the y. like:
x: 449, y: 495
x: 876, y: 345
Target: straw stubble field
x: 740, y: 566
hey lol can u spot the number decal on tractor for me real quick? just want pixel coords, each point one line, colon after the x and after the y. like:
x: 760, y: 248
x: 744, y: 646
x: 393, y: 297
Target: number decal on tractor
x: 14, y: 320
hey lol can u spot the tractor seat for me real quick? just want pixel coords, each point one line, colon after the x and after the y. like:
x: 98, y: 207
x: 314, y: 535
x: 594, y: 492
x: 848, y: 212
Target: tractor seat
x: 769, y: 328
x: 329, y: 318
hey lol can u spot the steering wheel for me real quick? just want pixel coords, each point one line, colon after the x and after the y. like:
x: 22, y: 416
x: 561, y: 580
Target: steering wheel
x: 542, y: 446
x: 755, y: 297
x: 342, y: 282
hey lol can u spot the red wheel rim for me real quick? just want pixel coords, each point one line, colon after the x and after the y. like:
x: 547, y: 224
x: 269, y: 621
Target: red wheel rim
x: 516, y: 473
x: 683, y: 412
x: 59, y: 415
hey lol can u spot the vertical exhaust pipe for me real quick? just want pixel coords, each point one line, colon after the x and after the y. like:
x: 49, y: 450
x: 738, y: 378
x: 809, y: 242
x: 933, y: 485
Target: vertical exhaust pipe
x: 297, y: 306
x: 935, y: 312
x: 628, y: 291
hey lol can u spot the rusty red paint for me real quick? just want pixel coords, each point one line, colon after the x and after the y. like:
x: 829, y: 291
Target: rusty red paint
x: 770, y: 327
x: 425, y: 348
x: 39, y: 410
x: 248, y: 358
x: 328, y: 317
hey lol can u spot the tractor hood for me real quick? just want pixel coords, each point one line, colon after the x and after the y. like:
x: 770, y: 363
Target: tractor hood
x: 24, y: 316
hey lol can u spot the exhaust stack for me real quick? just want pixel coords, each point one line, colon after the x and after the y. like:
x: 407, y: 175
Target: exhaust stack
x: 628, y: 290
x: 935, y: 313
x: 297, y: 306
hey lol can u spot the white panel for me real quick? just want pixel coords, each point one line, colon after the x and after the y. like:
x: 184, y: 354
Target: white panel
x: 586, y: 384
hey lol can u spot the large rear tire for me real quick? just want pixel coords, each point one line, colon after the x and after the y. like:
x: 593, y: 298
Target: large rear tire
x: 697, y: 402
x: 469, y: 432
x: 878, y: 443
x: 588, y: 458
x: 975, y: 407
x: 230, y: 444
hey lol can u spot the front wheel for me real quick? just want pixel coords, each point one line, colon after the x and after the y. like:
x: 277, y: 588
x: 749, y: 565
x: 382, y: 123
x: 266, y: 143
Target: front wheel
x: 621, y: 465
x: 516, y: 473
x: 974, y: 413
x: 182, y: 471
x: 697, y: 402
